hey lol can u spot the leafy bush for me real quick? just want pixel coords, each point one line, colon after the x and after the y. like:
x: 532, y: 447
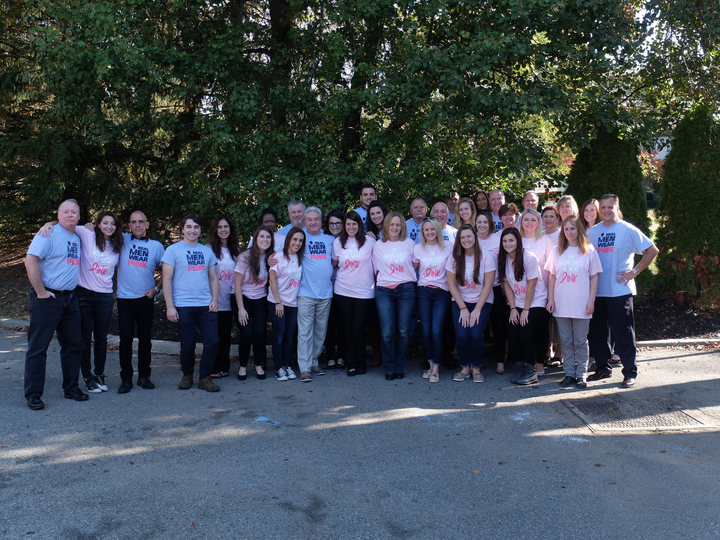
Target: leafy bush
x: 689, y: 235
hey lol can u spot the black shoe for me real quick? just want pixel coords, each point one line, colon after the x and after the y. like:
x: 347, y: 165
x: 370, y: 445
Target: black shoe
x: 242, y: 377
x: 529, y: 376
x: 389, y: 376
x: 598, y: 375
x: 351, y: 372
x: 519, y: 372
x: 35, y: 403
x: 260, y: 376
x: 628, y: 382
x: 362, y: 370
x: 568, y: 381
x: 399, y: 376
x: 77, y: 395
x: 145, y: 382
x: 126, y: 386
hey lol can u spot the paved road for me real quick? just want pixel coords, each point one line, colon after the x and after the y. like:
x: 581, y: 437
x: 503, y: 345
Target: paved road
x: 354, y: 458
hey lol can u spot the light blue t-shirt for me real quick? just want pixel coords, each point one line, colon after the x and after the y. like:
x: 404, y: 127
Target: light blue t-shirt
x: 363, y: 215
x: 616, y: 246
x: 190, y: 282
x: 451, y: 217
x: 499, y: 226
x: 413, y: 230
x: 59, y: 256
x: 136, y: 270
x: 449, y: 233
x: 317, y: 269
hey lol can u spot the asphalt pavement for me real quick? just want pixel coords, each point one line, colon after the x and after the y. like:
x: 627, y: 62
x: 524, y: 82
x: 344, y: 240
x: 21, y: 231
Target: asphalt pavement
x: 362, y: 457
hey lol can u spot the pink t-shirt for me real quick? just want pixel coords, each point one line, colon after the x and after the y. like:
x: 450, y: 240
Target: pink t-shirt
x: 393, y: 262
x: 288, y: 280
x: 96, y: 267
x: 252, y: 288
x: 491, y: 244
x: 553, y: 236
x: 471, y: 291
x: 226, y: 277
x: 355, y: 272
x: 572, y: 285
x: 531, y: 271
x: 432, y: 261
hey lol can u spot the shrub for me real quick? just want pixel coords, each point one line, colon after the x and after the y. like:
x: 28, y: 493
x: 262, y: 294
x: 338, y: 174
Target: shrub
x: 689, y: 235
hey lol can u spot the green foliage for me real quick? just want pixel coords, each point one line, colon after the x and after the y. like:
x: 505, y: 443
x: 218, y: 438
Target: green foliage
x: 689, y: 236
x: 235, y: 105
x: 610, y: 165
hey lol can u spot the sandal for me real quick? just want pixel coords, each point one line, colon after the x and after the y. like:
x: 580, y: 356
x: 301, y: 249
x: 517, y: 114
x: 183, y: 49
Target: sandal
x: 219, y: 375
x: 241, y: 377
x: 500, y: 369
x: 262, y: 375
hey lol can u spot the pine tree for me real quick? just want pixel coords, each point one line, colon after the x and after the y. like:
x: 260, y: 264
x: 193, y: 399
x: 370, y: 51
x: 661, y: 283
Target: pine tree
x: 689, y: 235
x: 610, y: 165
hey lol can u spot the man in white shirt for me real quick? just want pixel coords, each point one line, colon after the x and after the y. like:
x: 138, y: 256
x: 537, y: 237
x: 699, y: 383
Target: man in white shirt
x: 440, y: 213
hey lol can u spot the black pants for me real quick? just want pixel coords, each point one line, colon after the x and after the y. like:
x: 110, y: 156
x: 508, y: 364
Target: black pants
x: 335, y: 337
x: 225, y: 324
x: 354, y: 313
x: 254, y: 332
x: 499, y: 320
x: 614, y: 321
x: 526, y: 341
x: 132, y: 313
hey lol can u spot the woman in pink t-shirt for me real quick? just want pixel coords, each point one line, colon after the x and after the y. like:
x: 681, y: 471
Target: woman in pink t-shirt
x: 520, y: 273
x: 100, y: 245
x: 465, y: 213
x: 395, y: 292
x: 539, y: 244
x: 433, y: 294
x: 470, y: 275
x: 223, y: 240
x: 282, y: 301
x: 490, y: 242
x: 574, y: 267
x: 551, y: 220
x: 251, y: 287
x: 354, y: 289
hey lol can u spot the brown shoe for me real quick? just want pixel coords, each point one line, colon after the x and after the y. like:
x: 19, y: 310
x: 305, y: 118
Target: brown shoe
x: 208, y: 384
x: 186, y: 382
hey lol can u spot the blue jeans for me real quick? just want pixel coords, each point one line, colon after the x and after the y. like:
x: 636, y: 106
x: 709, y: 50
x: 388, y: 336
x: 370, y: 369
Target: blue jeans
x: 283, y: 335
x: 206, y: 322
x: 48, y: 315
x: 394, y: 310
x: 432, y: 305
x: 95, y: 313
x: 469, y: 340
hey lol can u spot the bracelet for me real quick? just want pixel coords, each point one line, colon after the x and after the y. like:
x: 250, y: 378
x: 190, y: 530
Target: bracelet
x: 516, y: 309
x: 464, y: 308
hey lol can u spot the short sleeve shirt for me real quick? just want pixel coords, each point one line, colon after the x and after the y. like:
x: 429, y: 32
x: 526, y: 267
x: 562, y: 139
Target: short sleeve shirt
x: 136, y: 269
x: 288, y: 273
x: 356, y: 274
x: 253, y: 288
x: 59, y: 256
x: 96, y: 267
x: 190, y: 281
x: 469, y: 290
x: 432, y: 261
x: 531, y: 271
x: 572, y: 270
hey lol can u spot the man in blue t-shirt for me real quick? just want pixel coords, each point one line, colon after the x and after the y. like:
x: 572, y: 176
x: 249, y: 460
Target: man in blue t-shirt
x: 137, y: 287
x: 496, y: 199
x: 617, y: 242
x: 314, y: 295
x: 418, y: 211
x: 52, y: 265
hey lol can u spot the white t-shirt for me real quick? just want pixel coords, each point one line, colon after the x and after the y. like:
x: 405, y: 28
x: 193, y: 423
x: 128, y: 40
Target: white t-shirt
x: 531, y: 270
x: 355, y: 273
x: 432, y: 260
x: 471, y: 291
x: 572, y: 271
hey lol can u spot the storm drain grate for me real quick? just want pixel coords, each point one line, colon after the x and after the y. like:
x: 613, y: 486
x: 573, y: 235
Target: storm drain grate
x: 622, y: 414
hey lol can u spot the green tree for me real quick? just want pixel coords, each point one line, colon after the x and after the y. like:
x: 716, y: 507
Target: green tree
x: 610, y: 165
x: 689, y: 236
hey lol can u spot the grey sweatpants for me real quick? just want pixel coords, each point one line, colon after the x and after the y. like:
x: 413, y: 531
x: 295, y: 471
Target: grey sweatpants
x: 574, y: 340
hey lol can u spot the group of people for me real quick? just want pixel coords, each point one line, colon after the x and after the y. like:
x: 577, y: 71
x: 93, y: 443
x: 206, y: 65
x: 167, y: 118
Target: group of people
x: 535, y: 278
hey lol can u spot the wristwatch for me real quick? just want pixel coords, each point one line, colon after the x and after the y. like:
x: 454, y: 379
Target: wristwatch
x: 634, y: 271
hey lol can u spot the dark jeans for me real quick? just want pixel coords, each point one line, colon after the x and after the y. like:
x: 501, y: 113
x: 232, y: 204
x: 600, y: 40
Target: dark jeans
x: 614, y: 320
x: 95, y: 313
x: 335, y: 337
x: 254, y: 332
x: 432, y: 305
x: 47, y: 315
x: 132, y: 313
x: 469, y: 343
x: 206, y: 322
x: 225, y: 324
x: 526, y: 341
x: 499, y: 320
x: 394, y: 308
x: 283, y: 335
x: 354, y: 313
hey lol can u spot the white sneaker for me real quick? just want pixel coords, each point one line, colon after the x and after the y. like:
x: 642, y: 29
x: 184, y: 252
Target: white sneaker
x: 100, y: 381
x: 92, y: 387
x: 290, y: 373
x: 281, y: 374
